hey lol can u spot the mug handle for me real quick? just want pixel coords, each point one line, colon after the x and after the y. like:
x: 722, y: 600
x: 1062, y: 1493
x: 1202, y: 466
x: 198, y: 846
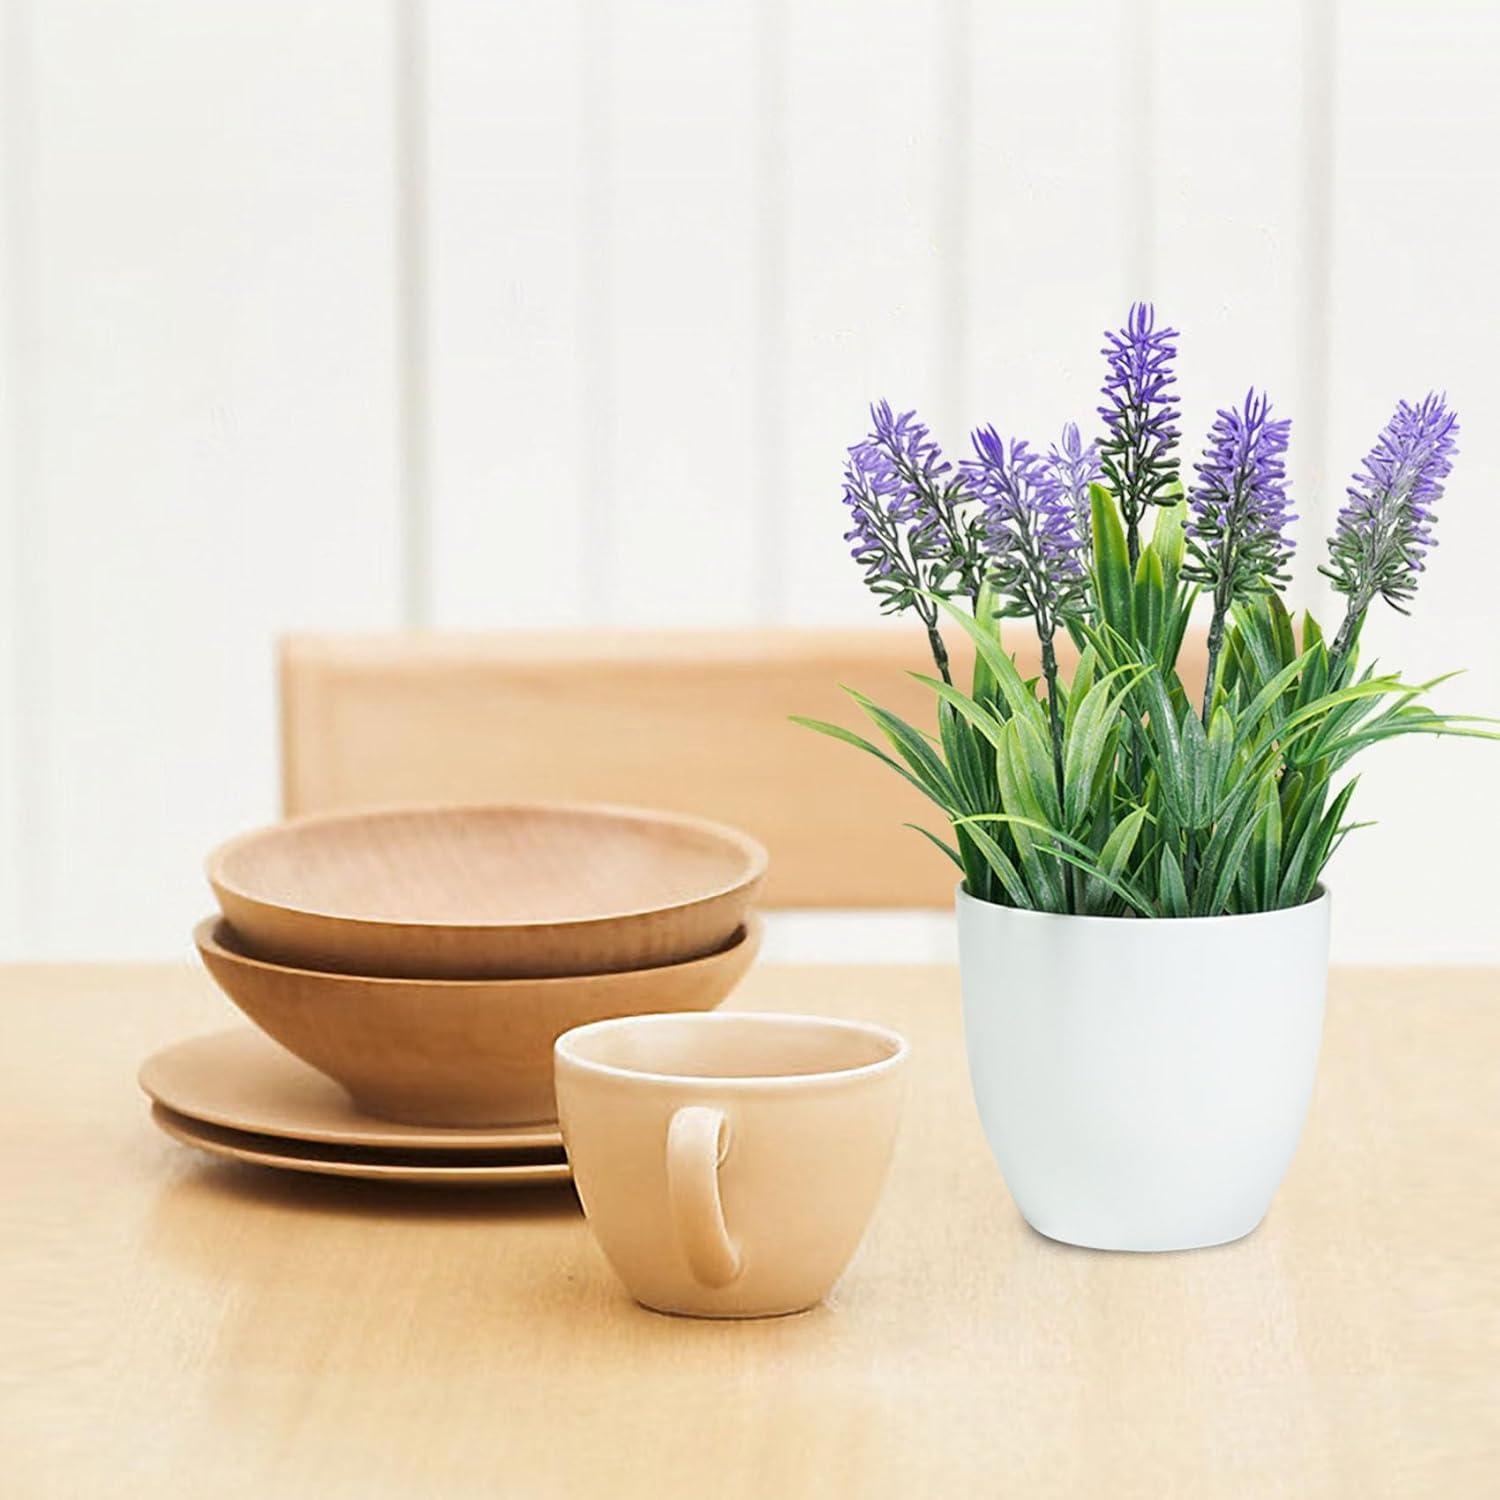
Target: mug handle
x: 697, y: 1140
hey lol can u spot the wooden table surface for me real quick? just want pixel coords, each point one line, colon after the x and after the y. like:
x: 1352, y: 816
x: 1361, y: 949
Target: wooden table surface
x: 171, y: 1325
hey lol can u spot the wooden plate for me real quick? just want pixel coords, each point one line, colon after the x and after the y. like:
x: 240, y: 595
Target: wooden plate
x: 336, y: 1161
x: 241, y: 1080
x: 487, y: 892
x: 452, y: 1052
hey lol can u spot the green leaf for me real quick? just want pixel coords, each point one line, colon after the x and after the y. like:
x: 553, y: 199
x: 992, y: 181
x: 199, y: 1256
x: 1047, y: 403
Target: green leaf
x: 1167, y: 539
x: 913, y: 748
x: 1111, y: 562
x: 1253, y: 645
x: 1089, y: 736
x: 1261, y: 704
x: 1062, y: 848
x: 965, y: 759
x: 1037, y: 749
x: 987, y: 621
x: 1168, y: 759
x: 1019, y: 797
x: 1005, y: 870
x: 1016, y: 692
x: 981, y: 718
x: 1083, y: 681
x: 1313, y: 683
x: 1229, y: 866
x: 1150, y: 600
x: 1114, y: 856
x: 1267, y: 875
x: 1199, y: 790
x: 1171, y: 890
x: 1282, y: 635
x: 1168, y: 543
x: 1220, y: 745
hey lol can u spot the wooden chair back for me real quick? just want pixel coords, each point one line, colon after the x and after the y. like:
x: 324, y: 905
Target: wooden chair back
x: 691, y: 721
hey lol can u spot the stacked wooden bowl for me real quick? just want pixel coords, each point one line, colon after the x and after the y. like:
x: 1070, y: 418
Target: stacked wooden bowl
x: 426, y: 959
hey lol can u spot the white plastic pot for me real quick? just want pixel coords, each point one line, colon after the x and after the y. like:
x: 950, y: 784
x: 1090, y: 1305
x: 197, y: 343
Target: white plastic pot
x: 1143, y: 1083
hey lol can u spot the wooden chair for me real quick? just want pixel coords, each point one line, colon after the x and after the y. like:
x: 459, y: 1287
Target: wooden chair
x: 691, y: 721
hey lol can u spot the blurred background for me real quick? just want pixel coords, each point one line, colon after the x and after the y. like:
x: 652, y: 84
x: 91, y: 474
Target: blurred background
x: 336, y: 314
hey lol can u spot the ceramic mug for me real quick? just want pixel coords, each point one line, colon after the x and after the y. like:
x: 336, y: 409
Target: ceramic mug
x: 729, y: 1162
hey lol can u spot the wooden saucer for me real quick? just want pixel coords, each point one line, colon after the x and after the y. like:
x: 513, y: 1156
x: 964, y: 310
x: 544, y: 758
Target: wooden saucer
x: 240, y: 1080
x: 381, y: 1165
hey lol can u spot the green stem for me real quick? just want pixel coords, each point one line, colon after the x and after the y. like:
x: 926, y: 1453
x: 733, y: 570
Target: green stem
x: 1054, y: 716
x: 1215, y: 645
x: 939, y: 651
x: 1343, y: 642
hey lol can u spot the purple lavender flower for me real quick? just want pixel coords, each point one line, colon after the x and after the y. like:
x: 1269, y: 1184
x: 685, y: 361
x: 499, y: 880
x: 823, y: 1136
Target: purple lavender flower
x: 910, y: 530
x: 1236, y: 528
x: 1075, y: 468
x: 872, y: 537
x: 1034, y: 549
x: 1385, y: 529
x: 1140, y: 415
x: 910, y: 464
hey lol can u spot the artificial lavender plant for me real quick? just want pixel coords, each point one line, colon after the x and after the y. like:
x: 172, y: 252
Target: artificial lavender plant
x: 1135, y: 785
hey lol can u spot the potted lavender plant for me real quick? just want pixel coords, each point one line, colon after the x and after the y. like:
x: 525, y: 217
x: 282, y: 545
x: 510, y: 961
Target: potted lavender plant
x: 1143, y: 932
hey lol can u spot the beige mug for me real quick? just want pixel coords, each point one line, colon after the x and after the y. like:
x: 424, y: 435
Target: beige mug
x: 728, y: 1162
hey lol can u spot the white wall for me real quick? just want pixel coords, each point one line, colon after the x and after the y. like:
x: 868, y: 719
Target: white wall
x: 330, y: 313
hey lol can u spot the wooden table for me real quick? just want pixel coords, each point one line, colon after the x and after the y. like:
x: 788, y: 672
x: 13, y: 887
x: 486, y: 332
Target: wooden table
x: 177, y: 1326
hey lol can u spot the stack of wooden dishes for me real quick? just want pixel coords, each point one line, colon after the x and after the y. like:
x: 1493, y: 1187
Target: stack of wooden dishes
x: 426, y: 959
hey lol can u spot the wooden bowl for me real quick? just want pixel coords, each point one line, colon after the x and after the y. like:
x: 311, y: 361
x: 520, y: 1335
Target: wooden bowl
x: 452, y: 1052
x: 487, y: 892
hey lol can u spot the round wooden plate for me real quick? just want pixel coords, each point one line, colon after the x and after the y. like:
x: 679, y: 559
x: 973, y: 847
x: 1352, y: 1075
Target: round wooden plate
x: 334, y: 1161
x: 527, y: 891
x: 241, y: 1080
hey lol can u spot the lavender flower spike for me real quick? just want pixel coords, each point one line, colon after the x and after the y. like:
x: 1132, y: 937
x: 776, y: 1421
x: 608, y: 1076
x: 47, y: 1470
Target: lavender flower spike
x: 1385, y: 529
x: 1075, y: 468
x: 873, y: 538
x: 1236, y: 528
x: 902, y: 452
x: 1140, y: 415
x: 1033, y: 545
x: 889, y: 483
x: 914, y: 530
x: 1036, y: 559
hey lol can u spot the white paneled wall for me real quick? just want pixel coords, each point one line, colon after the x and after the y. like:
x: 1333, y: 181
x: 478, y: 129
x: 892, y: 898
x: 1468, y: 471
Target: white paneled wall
x: 200, y: 425
x: 333, y: 313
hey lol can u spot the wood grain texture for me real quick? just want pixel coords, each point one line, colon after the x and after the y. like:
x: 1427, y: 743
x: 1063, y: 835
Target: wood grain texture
x: 174, y: 1327
x: 487, y: 892
x: 695, y: 722
x: 426, y: 1169
x: 466, y: 1052
x: 240, y: 1080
